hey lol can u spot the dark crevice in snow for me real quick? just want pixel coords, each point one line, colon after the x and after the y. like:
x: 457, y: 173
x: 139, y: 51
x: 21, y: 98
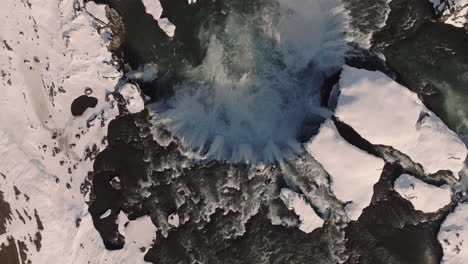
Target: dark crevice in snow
x: 389, y: 154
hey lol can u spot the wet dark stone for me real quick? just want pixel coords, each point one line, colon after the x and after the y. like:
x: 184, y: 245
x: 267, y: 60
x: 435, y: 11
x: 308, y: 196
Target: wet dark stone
x: 262, y: 243
x: 134, y: 156
x: 327, y: 87
x: 81, y: 103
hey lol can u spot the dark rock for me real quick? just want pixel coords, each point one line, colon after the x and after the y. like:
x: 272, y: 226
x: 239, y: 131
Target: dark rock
x: 83, y: 102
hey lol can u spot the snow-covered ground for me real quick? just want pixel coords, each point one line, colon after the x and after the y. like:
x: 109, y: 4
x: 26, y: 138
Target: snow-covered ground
x: 50, y: 53
x: 453, y: 236
x: 384, y: 112
x: 307, y: 216
x: 454, y: 12
x: 353, y: 171
x: 425, y: 197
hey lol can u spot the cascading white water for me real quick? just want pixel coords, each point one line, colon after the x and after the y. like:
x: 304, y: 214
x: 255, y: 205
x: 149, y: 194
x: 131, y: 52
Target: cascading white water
x: 260, y: 80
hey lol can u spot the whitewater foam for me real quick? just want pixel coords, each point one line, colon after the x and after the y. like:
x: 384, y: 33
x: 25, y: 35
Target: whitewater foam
x: 259, y: 82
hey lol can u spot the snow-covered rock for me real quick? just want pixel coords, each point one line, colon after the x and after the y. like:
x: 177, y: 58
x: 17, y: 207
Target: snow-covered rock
x: 425, y: 197
x: 353, y: 172
x: 454, y: 12
x: 384, y: 112
x: 133, y: 99
x: 453, y: 235
x: 153, y: 7
x: 294, y: 201
x: 173, y: 220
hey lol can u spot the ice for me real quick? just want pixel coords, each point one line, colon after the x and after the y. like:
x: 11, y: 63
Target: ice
x: 307, y: 216
x: 153, y: 7
x: 173, y: 220
x: 139, y: 233
x: 425, y: 197
x: 106, y: 214
x: 353, y: 172
x: 384, y: 112
x: 453, y: 234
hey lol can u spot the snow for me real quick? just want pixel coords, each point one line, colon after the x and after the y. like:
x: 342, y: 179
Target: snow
x: 133, y: 98
x: 307, y: 216
x: 453, y: 234
x: 153, y: 7
x: 454, y: 12
x: 425, y: 197
x: 139, y: 233
x: 49, y: 55
x: 384, y: 112
x: 98, y: 11
x: 173, y: 220
x: 353, y: 172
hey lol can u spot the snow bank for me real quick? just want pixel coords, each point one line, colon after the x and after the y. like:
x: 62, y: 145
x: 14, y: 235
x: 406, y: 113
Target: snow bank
x: 294, y: 201
x: 153, y: 7
x: 384, y: 112
x: 425, y: 197
x: 353, y: 171
x: 452, y: 236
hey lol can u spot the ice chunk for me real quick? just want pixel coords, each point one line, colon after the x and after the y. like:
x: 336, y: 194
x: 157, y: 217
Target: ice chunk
x: 452, y: 236
x: 384, y: 112
x: 294, y: 201
x: 153, y: 7
x: 425, y: 197
x: 353, y: 172
x: 106, y: 213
